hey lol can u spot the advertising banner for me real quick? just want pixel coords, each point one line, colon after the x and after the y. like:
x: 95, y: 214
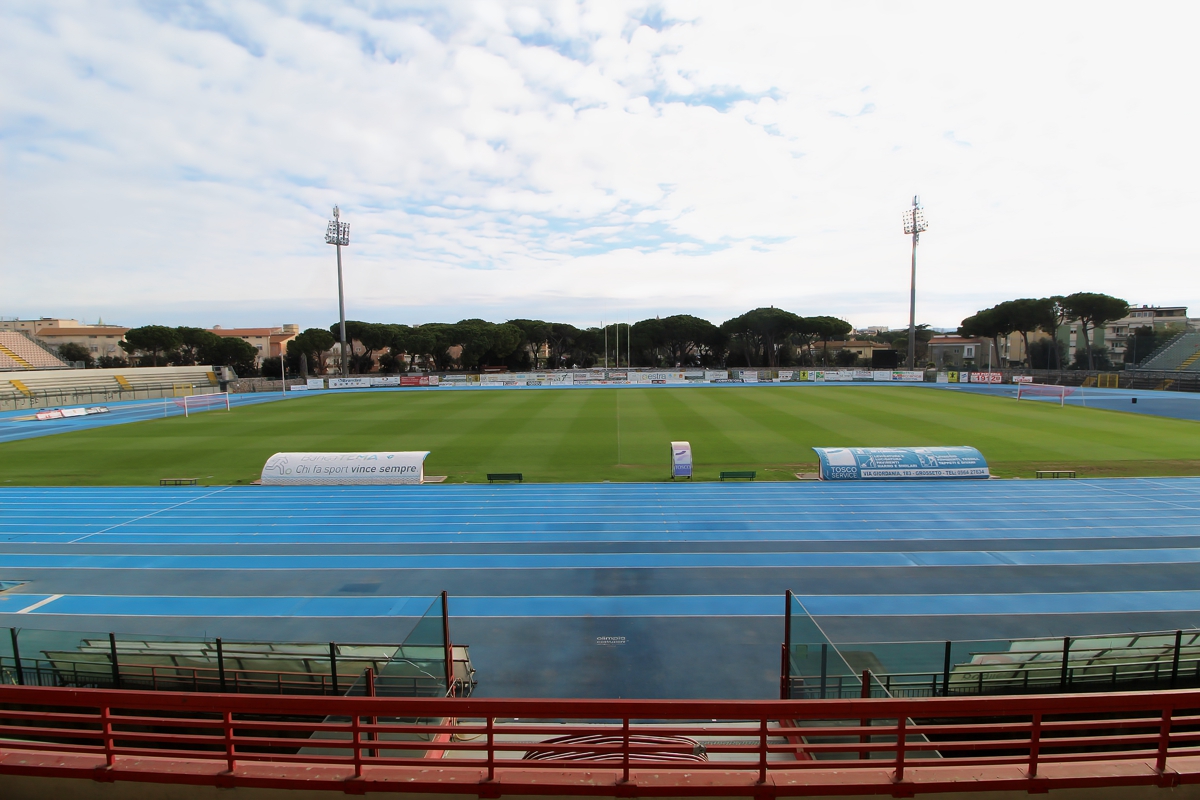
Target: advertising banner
x: 716, y: 375
x: 340, y: 469
x: 681, y: 460
x: 785, y: 375
x: 1022, y: 379
x: 862, y: 374
x: 952, y: 376
x: 315, y: 383
x: 881, y: 375
x: 909, y: 376
x: 390, y: 380
x: 749, y: 376
x: 943, y: 377
x: 816, y: 375
x: 60, y: 413
x: 867, y: 463
x: 299, y: 387
x: 349, y: 383
x: 414, y: 380
x: 986, y: 377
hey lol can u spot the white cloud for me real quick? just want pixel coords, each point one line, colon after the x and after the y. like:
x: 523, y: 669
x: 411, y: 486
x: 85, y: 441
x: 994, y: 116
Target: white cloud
x: 571, y: 159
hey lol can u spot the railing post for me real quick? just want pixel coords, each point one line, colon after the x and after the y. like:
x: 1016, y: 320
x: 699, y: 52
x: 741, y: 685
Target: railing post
x: 230, y: 754
x: 116, y: 666
x: 946, y: 672
x: 106, y: 727
x: 16, y: 648
x: 901, y: 742
x: 370, y: 676
x: 784, y: 682
x: 1035, y: 743
x: 762, y: 750
x: 824, y: 667
x: 333, y: 668
x: 491, y: 747
x: 356, y: 741
x: 1164, y: 740
x: 625, y: 750
x: 785, y: 668
x: 446, y: 645
x: 1062, y: 681
x: 1175, y: 658
x: 221, y: 663
x: 864, y: 692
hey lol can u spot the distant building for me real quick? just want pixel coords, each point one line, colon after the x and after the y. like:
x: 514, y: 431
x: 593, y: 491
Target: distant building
x: 269, y: 342
x: 952, y: 352
x: 31, y: 326
x: 100, y: 340
x: 860, y: 348
x: 1161, y: 318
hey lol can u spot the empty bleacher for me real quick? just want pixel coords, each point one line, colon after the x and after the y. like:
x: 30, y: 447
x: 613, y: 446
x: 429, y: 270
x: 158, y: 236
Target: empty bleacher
x: 1181, y: 353
x: 65, y: 387
x: 19, y: 352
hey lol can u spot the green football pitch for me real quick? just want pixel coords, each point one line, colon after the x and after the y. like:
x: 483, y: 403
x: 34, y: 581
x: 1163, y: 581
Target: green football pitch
x: 610, y: 434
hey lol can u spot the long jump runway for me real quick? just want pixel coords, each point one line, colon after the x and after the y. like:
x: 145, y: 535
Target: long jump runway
x: 607, y: 590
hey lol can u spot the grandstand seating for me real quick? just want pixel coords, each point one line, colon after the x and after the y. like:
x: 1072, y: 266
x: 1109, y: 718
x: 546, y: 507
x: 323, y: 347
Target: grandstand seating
x: 1181, y: 353
x: 19, y: 352
x: 44, y: 388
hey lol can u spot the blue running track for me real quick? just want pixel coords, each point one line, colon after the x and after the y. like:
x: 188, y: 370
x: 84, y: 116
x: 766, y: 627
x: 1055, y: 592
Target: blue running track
x: 692, y: 576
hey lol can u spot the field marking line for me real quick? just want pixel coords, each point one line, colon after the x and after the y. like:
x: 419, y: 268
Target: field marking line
x: 151, y: 514
x: 39, y: 604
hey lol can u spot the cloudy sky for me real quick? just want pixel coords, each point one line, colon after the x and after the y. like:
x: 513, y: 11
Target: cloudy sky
x: 177, y: 162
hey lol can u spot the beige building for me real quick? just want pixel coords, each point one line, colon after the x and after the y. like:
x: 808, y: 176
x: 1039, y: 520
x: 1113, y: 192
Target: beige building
x: 100, y: 340
x: 269, y: 342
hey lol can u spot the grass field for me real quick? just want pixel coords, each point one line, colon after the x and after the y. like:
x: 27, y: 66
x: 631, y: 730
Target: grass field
x: 607, y: 434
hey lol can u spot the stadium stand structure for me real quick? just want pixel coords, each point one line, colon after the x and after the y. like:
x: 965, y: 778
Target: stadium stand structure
x: 1181, y: 353
x: 43, y: 389
x: 19, y: 352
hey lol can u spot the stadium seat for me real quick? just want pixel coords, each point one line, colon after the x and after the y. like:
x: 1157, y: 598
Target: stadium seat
x: 42, y: 388
x: 18, y: 351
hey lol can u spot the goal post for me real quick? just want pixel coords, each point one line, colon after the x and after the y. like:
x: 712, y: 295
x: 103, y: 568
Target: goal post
x: 1030, y: 390
x: 204, y: 402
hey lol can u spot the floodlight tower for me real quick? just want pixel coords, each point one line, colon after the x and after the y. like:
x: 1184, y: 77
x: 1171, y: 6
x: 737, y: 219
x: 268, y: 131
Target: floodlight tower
x: 914, y: 223
x: 338, y: 233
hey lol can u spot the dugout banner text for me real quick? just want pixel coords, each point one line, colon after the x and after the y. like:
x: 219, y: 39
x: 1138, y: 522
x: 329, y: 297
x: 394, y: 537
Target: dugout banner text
x: 867, y: 463
x: 341, y: 469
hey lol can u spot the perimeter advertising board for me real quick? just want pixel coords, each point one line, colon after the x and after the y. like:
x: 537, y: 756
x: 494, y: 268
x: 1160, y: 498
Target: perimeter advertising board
x: 349, y: 383
x: 340, y: 469
x: 868, y: 463
x: 681, y: 460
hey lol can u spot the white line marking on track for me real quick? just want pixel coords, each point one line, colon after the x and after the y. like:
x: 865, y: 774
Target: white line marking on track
x: 151, y: 514
x: 38, y: 604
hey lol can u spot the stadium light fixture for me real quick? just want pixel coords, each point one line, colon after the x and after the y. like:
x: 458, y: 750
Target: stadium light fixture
x: 914, y: 224
x: 338, y: 233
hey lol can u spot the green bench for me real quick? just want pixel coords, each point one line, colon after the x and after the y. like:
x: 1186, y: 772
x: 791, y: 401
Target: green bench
x: 176, y: 481
x: 505, y: 476
x: 747, y: 475
x: 1055, y: 473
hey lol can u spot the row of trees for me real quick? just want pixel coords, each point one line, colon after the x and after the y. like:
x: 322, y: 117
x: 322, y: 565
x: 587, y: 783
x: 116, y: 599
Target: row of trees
x: 768, y: 337
x: 1047, y: 314
x: 158, y: 345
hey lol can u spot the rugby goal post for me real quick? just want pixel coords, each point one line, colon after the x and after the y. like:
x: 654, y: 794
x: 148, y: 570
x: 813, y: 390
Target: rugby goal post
x: 1027, y: 390
x: 204, y: 402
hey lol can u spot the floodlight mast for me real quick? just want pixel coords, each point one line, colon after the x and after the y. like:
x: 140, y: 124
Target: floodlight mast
x: 338, y: 233
x: 914, y: 223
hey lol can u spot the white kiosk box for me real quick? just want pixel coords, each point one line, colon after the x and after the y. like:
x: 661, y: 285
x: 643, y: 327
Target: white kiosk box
x: 681, y: 460
x: 341, y: 469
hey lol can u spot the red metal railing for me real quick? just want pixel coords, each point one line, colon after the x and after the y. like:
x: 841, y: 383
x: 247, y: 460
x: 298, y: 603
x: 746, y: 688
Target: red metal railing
x: 770, y: 748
